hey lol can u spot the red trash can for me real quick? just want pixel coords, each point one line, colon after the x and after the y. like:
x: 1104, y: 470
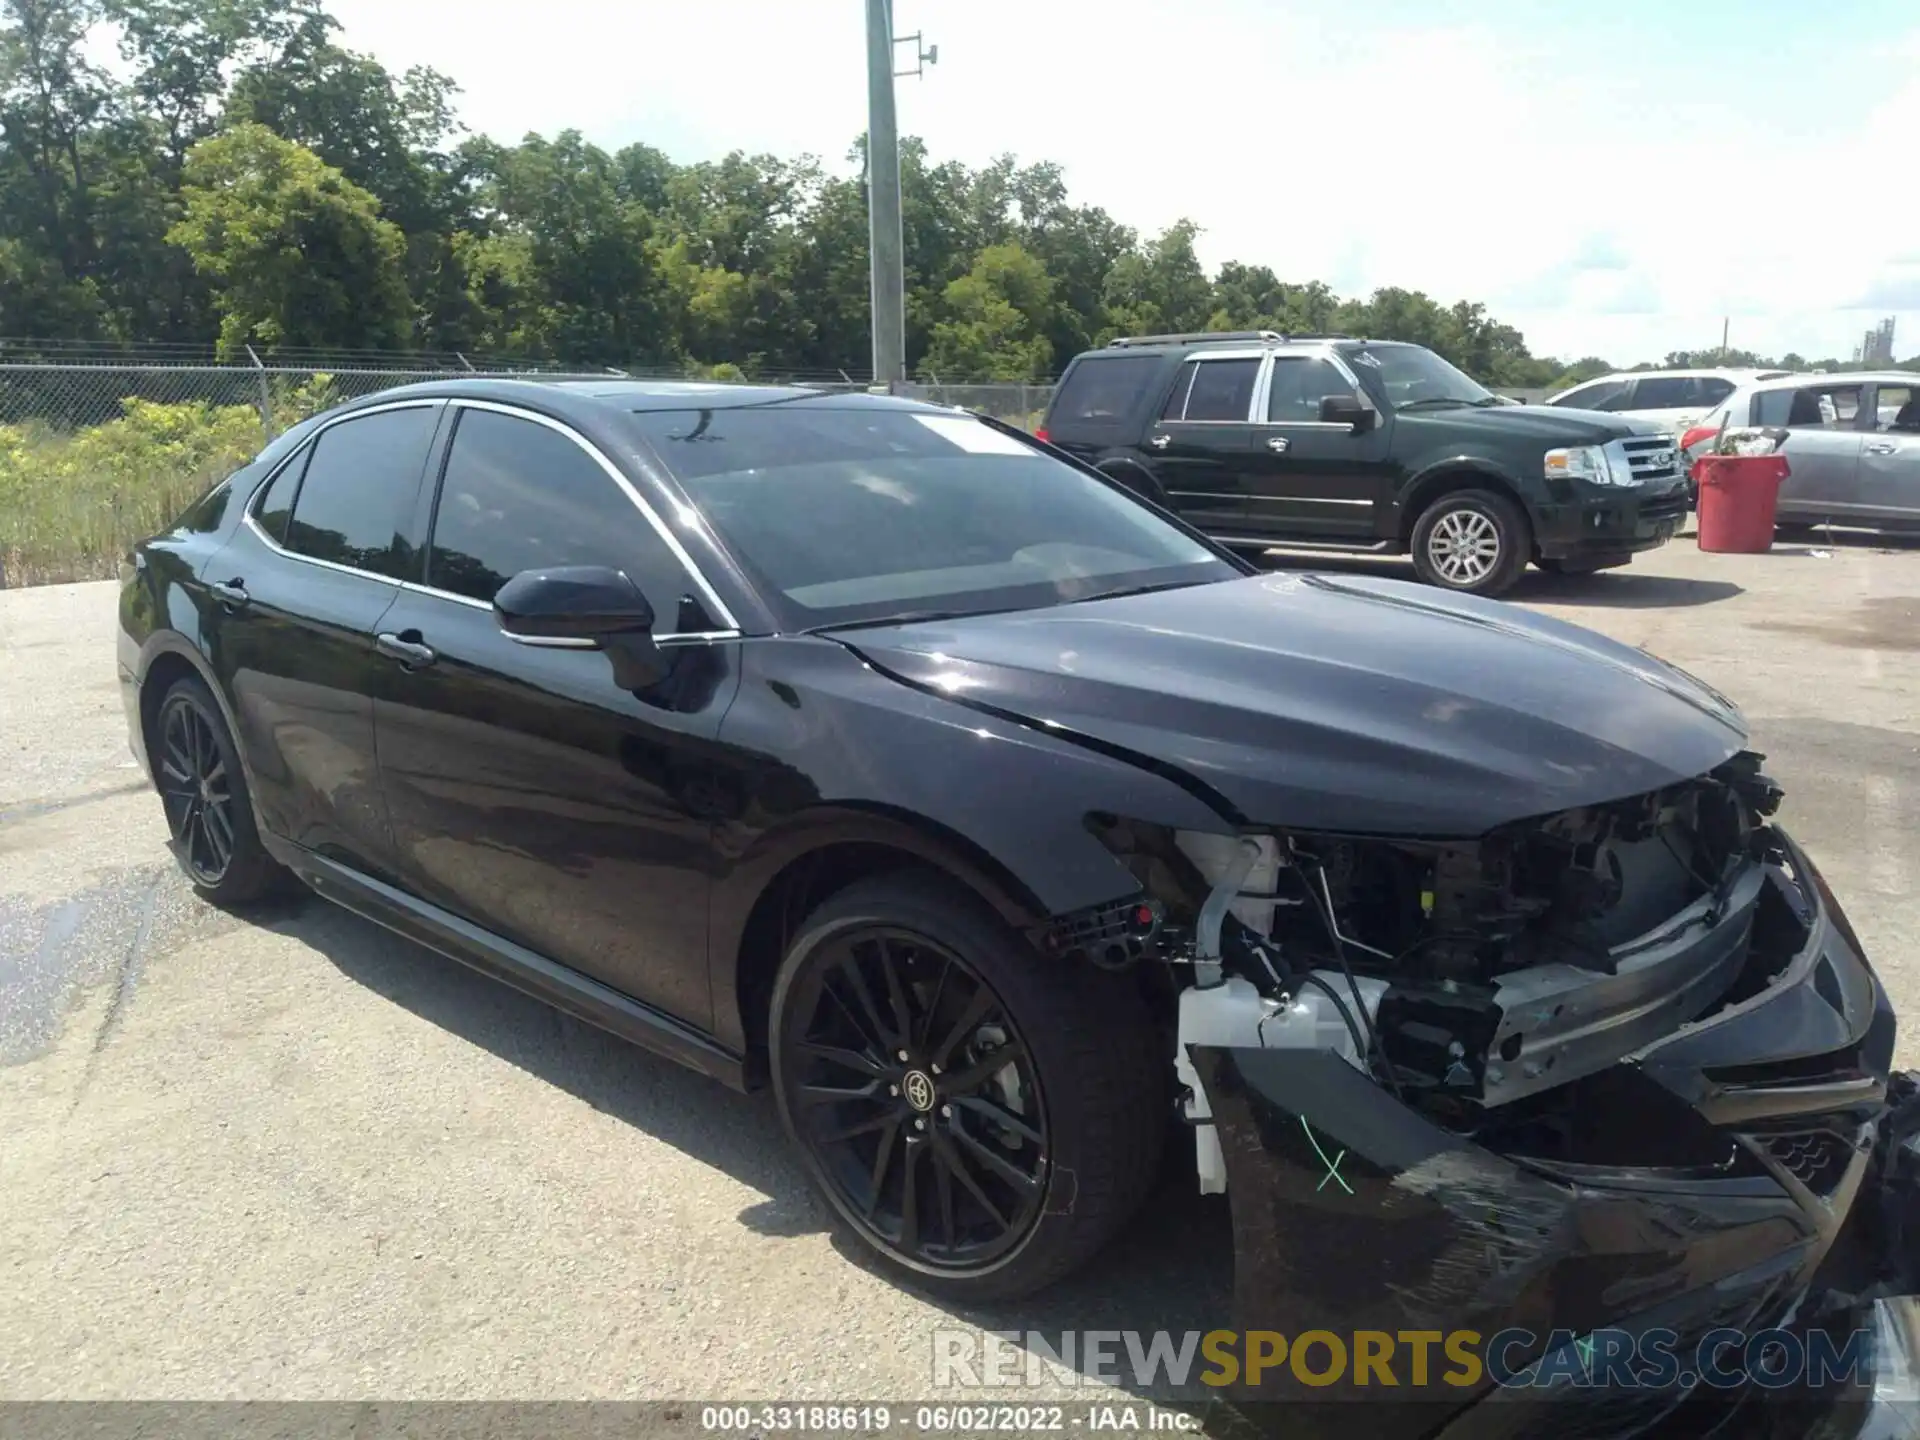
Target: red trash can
x: 1738, y: 497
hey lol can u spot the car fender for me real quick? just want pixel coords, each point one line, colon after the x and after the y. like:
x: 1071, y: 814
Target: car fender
x: 1443, y: 473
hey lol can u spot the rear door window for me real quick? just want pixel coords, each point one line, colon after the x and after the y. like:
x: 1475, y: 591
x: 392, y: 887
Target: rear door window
x: 1102, y: 391
x: 1666, y: 392
x: 1222, y: 390
x: 1601, y: 395
x: 359, y: 490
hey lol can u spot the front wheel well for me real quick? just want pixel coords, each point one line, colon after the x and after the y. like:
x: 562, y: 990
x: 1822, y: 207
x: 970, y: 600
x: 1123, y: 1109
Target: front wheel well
x: 1448, y: 482
x: 803, y: 886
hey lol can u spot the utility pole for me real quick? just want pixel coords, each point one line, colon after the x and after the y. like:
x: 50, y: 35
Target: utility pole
x: 883, y: 203
x: 1725, y: 321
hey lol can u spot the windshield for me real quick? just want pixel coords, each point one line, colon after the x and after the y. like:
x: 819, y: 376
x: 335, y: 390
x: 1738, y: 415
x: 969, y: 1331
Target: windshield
x: 845, y: 514
x: 1408, y: 376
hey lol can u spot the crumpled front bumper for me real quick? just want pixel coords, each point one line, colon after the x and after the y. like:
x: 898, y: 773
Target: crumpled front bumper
x: 1357, y: 1217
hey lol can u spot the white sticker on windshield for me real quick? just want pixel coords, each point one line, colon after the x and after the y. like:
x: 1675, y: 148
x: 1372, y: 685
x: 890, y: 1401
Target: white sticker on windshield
x: 1366, y: 357
x: 972, y: 436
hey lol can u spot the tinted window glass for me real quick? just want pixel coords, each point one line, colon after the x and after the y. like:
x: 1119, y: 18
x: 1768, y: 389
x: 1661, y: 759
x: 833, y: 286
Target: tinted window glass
x: 360, y: 485
x: 1298, y: 387
x: 518, y: 495
x: 1665, y: 392
x: 852, y: 513
x: 1222, y: 390
x: 1102, y: 390
x: 277, y: 503
x: 1603, y: 395
x: 1176, y: 405
x: 1713, y: 391
x: 203, y: 517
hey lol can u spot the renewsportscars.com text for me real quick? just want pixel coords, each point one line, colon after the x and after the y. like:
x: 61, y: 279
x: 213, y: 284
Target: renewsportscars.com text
x: 1384, y: 1359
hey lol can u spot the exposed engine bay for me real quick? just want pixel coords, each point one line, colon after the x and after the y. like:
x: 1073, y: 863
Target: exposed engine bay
x: 1468, y: 975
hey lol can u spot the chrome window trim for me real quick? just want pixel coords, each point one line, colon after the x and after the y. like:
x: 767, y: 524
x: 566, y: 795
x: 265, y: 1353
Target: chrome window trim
x: 1268, y: 499
x: 719, y: 608
x: 250, y: 518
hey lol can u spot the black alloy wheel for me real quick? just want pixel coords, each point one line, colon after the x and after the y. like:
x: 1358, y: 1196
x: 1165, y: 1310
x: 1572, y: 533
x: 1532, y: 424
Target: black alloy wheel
x: 197, y: 790
x: 917, y: 1095
x: 983, y: 1117
x: 204, y: 793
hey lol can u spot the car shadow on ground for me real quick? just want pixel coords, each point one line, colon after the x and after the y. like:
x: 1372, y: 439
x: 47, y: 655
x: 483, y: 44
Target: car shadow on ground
x: 1618, y: 589
x: 1171, y: 1270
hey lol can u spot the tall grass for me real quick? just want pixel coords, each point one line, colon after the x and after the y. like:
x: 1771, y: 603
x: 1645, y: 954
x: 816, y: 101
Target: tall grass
x: 72, y: 501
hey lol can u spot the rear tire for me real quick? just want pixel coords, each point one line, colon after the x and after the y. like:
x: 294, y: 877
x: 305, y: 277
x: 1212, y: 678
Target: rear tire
x: 203, y: 790
x: 1474, y: 541
x: 998, y: 1179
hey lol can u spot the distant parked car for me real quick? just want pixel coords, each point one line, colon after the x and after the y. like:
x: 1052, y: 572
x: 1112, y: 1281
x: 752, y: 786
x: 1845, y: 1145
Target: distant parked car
x: 1853, y: 444
x: 1325, y: 442
x: 1673, y: 398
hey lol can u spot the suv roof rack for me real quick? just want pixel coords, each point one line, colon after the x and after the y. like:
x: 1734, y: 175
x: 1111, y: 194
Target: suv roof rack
x: 1198, y: 337
x: 1194, y: 337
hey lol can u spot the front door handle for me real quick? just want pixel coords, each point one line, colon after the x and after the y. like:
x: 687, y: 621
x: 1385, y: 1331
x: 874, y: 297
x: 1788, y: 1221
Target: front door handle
x: 411, y: 654
x: 1277, y: 444
x: 1160, y: 442
x: 232, y: 594
x: 1881, y: 449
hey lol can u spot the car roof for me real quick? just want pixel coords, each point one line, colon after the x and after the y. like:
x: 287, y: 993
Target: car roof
x: 620, y: 395
x: 1225, y: 339
x: 1838, y: 377
x: 1730, y: 372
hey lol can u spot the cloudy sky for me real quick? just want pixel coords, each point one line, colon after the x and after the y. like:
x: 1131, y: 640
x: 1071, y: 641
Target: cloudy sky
x: 1614, y: 179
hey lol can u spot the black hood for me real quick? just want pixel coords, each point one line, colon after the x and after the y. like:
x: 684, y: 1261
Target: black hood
x: 1335, y: 702
x: 1548, y: 424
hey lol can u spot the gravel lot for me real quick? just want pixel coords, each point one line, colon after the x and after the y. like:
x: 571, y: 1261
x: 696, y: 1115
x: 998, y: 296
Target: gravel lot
x: 294, y: 1157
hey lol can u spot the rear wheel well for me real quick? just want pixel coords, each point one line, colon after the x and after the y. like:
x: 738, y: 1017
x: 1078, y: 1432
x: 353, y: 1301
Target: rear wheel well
x: 1449, y: 482
x: 166, y: 671
x: 806, y: 884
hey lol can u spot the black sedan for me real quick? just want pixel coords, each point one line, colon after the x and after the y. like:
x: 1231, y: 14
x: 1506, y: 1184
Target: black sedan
x: 1002, y: 821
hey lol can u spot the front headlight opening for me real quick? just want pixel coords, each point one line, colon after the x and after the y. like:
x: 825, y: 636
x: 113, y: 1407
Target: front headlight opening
x: 1591, y: 463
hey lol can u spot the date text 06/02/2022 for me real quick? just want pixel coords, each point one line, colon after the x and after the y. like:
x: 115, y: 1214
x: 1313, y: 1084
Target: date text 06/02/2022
x: 960, y: 1419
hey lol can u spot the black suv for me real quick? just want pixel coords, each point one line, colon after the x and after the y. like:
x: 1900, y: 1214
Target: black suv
x: 1327, y: 442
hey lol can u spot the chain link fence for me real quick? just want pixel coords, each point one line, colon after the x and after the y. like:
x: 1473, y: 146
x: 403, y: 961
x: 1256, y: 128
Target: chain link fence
x: 97, y: 450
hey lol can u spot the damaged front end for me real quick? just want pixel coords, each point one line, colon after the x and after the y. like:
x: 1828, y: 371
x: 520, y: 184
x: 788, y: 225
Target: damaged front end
x: 1620, y: 1068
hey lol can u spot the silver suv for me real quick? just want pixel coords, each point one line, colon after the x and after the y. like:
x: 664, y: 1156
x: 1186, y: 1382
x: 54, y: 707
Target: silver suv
x: 1853, y: 444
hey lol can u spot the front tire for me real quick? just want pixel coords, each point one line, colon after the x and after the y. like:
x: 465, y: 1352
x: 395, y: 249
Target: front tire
x: 203, y: 790
x: 982, y: 1118
x: 1476, y: 541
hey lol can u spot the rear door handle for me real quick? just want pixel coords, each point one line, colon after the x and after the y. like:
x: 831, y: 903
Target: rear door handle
x: 1160, y: 442
x: 411, y: 654
x: 1881, y: 449
x: 1277, y: 444
x: 231, y: 593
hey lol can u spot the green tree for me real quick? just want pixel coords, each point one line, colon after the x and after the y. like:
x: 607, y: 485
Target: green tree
x: 1158, y: 288
x: 999, y: 314
x: 298, y: 254
x: 557, y: 261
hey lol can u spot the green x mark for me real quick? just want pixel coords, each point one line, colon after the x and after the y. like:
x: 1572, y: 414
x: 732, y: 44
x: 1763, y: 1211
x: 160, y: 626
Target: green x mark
x: 1333, y: 1165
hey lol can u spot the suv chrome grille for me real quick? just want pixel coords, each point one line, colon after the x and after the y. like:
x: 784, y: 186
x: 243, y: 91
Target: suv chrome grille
x: 1654, y: 459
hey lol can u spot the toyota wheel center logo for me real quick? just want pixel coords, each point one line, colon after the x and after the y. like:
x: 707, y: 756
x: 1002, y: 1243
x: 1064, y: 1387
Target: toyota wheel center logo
x: 918, y: 1089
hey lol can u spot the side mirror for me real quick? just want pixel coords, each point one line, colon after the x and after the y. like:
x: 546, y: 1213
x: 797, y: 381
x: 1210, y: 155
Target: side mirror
x: 579, y: 602
x: 1345, y: 410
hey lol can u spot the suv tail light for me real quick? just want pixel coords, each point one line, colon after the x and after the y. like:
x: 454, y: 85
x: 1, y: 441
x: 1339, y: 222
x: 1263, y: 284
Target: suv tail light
x: 1041, y: 435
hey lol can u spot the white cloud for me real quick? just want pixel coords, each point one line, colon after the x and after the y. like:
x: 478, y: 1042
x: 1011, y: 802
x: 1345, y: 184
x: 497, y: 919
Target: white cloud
x: 1600, y: 201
